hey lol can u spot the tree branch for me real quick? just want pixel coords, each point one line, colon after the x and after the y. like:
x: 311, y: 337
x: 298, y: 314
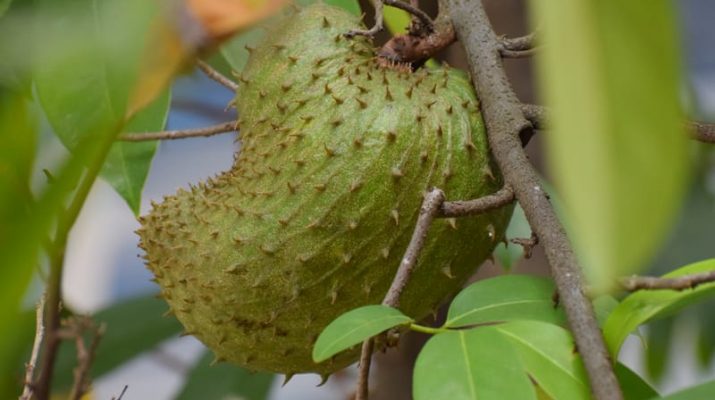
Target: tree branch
x: 481, y: 205
x: 702, y: 131
x: 217, y: 76
x: 85, y: 355
x: 635, y: 283
x: 520, y: 43
x: 182, y: 133
x: 505, y: 121
x: 507, y: 53
x: 539, y: 118
x: 29, y: 384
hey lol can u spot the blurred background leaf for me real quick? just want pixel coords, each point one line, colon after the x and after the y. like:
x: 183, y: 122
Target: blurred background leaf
x: 224, y: 381
x: 617, y: 142
x: 133, y: 327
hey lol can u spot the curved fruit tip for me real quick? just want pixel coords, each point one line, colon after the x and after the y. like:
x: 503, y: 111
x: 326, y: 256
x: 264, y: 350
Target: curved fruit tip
x: 395, y: 215
x: 287, y: 378
x: 447, y: 271
x: 168, y: 313
x: 452, y: 223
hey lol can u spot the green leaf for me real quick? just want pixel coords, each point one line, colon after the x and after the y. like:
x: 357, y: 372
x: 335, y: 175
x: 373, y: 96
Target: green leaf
x: 354, y: 327
x: 470, y: 364
x: 634, y: 387
x: 645, y: 305
x: 603, y: 306
x: 127, y: 165
x: 547, y: 354
x: 87, y: 91
x: 699, y: 392
x: 224, y: 381
x: 505, y: 298
x: 617, y: 146
x: 18, y: 249
x: 4, y: 5
x: 509, y: 254
x: 235, y: 49
x: 133, y: 326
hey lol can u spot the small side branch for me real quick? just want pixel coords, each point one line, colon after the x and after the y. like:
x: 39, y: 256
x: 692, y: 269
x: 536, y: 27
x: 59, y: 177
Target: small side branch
x: 535, y: 114
x: 520, y: 43
x: 703, y: 132
x: 481, y: 205
x: 539, y: 118
x: 635, y: 283
x: 426, y: 25
x: 28, y: 389
x: 506, y: 53
x: 217, y: 76
x: 181, y: 134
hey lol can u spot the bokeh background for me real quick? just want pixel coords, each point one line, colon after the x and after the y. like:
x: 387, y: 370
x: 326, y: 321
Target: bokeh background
x: 103, y: 265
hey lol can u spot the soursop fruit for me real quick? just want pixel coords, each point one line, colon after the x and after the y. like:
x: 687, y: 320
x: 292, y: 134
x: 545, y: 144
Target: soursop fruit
x: 313, y: 218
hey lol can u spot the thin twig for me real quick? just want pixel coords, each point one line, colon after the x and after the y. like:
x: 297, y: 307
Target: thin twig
x: 430, y: 208
x: 426, y: 25
x: 217, y: 76
x: 124, y: 390
x: 428, y: 212
x: 85, y: 355
x: 481, y: 205
x: 28, y: 388
x: 520, y: 43
x: 703, y: 132
x: 181, y: 133
x: 635, y: 283
x: 537, y: 115
x: 363, y: 388
x: 508, y: 53
x: 505, y: 121
x: 379, y: 23
x: 527, y: 244
x: 539, y: 118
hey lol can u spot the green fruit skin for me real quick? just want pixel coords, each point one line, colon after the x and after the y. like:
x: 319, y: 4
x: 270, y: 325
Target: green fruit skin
x: 315, y: 215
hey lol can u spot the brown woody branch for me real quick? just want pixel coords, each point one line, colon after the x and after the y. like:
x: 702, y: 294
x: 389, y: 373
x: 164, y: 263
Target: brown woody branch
x: 520, y: 43
x: 539, y: 118
x: 425, y: 25
x: 217, y: 76
x: 635, y: 283
x: 433, y: 206
x: 507, y: 53
x: 182, y: 133
x: 702, y: 131
x: 29, y: 384
x: 461, y: 208
x: 75, y: 328
x: 505, y: 122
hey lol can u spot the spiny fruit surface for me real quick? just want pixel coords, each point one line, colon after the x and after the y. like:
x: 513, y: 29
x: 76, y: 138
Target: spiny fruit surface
x: 313, y: 218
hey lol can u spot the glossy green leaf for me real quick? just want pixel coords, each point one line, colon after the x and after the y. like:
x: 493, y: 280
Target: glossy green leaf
x: 657, y: 339
x: 509, y: 253
x: 634, y: 387
x: 617, y: 147
x: 235, y: 49
x: 127, y: 165
x: 505, y: 298
x: 547, y: 354
x: 645, y: 305
x: 87, y: 91
x: 699, y: 392
x: 468, y: 365
x: 133, y: 327
x: 354, y: 327
x: 224, y: 381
